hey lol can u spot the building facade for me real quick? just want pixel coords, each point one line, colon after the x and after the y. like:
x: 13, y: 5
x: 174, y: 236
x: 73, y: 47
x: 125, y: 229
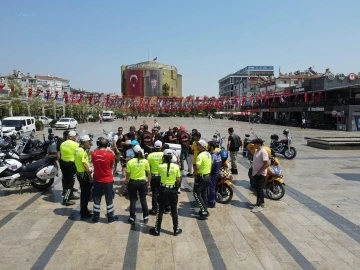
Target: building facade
x: 150, y: 79
x: 238, y: 83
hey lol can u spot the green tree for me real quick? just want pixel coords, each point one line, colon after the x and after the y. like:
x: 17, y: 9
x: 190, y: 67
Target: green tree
x: 16, y: 88
x: 35, y: 107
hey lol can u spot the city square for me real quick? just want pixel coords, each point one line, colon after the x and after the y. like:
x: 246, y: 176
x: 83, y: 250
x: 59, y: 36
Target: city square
x: 314, y: 226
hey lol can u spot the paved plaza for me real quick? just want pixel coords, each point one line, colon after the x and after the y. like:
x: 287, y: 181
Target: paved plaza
x: 315, y: 225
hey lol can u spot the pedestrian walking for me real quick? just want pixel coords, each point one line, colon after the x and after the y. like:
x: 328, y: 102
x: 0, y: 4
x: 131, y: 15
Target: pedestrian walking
x: 138, y: 178
x: 169, y: 177
x: 215, y: 172
x: 156, y: 124
x: 67, y: 152
x: 155, y: 159
x: 184, y: 140
x: 233, y: 146
x: 84, y: 175
x: 303, y: 123
x: 103, y: 161
x: 202, y: 178
x: 260, y: 164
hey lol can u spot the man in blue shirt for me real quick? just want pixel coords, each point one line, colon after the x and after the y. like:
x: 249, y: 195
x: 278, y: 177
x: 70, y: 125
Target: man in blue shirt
x: 215, y: 172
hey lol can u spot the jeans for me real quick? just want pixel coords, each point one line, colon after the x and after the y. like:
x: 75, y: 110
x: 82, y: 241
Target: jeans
x: 69, y: 171
x: 155, y: 185
x: 166, y: 196
x: 135, y: 187
x: 200, y: 191
x: 85, y: 187
x: 259, y: 186
x: 98, y: 190
x: 190, y: 163
x: 212, y: 186
x: 233, y: 155
x: 184, y: 156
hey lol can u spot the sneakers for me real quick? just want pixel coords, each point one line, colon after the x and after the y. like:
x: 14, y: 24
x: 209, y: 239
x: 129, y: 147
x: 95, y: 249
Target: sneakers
x: 154, y: 232
x: 203, y: 215
x: 95, y: 219
x: 256, y: 209
x: 190, y: 175
x: 153, y: 212
x: 146, y: 220
x: 263, y: 205
x: 112, y: 219
x: 234, y: 171
x: 179, y: 191
x: 87, y: 215
x: 131, y: 220
x: 68, y: 203
x: 177, y: 232
x: 75, y: 190
x: 74, y: 197
x: 167, y: 210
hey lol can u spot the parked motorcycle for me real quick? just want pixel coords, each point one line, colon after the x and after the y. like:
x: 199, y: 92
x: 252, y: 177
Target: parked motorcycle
x: 283, y: 146
x: 223, y: 190
x: 39, y: 174
x: 274, y: 184
x: 247, y: 140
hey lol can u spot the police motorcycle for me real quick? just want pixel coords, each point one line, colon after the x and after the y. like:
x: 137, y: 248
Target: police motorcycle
x: 223, y: 187
x: 39, y: 174
x: 283, y: 146
x: 247, y: 140
x: 218, y: 139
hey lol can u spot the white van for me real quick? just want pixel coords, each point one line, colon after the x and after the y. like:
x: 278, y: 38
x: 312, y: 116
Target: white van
x: 108, y: 115
x: 19, y: 126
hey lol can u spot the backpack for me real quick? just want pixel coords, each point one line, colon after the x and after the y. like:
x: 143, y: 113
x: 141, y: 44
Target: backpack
x: 236, y: 142
x: 184, y: 139
x: 147, y: 139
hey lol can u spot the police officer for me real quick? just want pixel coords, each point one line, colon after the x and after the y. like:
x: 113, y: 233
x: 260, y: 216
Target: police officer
x: 215, y: 172
x: 202, y: 178
x: 136, y: 170
x: 84, y: 175
x: 67, y: 151
x: 103, y: 161
x: 155, y: 159
x: 170, y: 177
x: 58, y: 155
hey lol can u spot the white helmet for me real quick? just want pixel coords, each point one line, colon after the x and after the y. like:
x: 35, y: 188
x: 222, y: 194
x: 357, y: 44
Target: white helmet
x: 85, y: 138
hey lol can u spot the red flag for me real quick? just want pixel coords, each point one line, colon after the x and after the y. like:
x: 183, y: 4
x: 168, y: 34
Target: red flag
x: 319, y: 96
x: 155, y: 58
x: 56, y: 95
x: 80, y: 98
x: 91, y: 96
x: 313, y: 97
x: 296, y: 96
x: 2, y: 86
x: 47, y: 94
x: 305, y: 97
x: 107, y: 100
x: 73, y: 95
x: 141, y: 103
x: 38, y: 92
x: 266, y: 98
x: 134, y: 82
x: 66, y: 97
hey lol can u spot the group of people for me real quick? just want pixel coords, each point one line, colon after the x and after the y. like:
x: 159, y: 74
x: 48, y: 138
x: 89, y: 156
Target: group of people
x: 147, y: 162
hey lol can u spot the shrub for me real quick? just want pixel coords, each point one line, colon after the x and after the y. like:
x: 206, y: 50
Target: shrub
x: 39, y: 125
x: 53, y: 122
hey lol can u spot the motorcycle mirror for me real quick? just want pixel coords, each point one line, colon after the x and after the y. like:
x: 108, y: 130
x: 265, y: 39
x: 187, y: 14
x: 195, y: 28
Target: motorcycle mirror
x: 49, y: 130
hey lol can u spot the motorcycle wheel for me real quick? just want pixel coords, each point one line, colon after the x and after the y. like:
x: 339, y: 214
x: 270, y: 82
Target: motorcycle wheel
x: 42, y: 184
x: 223, y: 194
x: 275, y: 190
x: 289, y: 154
x: 251, y: 178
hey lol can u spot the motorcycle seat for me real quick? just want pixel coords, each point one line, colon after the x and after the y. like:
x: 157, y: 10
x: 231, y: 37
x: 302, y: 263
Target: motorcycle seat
x: 34, y: 166
x: 247, y: 135
x: 274, y: 137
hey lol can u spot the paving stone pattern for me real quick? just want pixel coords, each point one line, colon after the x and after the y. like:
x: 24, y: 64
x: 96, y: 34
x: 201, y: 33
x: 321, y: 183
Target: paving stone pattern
x: 315, y: 226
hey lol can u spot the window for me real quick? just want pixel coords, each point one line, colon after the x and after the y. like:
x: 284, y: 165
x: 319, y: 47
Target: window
x: 32, y: 121
x: 28, y: 121
x: 23, y: 123
x: 295, y: 81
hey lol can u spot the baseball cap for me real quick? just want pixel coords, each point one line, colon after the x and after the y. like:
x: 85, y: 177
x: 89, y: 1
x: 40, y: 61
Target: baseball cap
x: 85, y: 138
x: 182, y: 128
x: 72, y: 133
x: 137, y: 148
x: 203, y: 143
x: 134, y: 142
x: 168, y: 152
x: 158, y: 144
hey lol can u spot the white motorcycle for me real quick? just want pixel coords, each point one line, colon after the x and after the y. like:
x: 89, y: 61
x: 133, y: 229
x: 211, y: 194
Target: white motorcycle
x: 218, y: 139
x: 39, y: 174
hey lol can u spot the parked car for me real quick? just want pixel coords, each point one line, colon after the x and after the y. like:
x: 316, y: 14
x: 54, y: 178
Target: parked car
x: 66, y: 123
x: 45, y: 120
x: 18, y: 126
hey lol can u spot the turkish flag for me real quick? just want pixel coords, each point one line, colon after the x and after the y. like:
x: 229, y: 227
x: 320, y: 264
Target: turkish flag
x: 305, y: 97
x: 134, y: 83
x: 2, y: 86
x: 29, y: 92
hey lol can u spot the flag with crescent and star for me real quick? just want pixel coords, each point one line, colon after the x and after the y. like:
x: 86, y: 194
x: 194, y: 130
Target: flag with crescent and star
x: 134, y: 83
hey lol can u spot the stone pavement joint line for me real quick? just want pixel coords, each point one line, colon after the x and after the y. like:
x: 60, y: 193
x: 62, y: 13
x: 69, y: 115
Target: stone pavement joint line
x: 14, y: 213
x: 217, y: 261
x: 49, y: 251
x: 290, y: 248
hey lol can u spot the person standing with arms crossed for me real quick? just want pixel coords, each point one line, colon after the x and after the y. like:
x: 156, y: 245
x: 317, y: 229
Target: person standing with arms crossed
x: 67, y: 152
x: 170, y: 178
x: 84, y: 175
x: 260, y: 164
x: 202, y: 178
x: 155, y: 159
x: 103, y: 161
x: 137, y: 170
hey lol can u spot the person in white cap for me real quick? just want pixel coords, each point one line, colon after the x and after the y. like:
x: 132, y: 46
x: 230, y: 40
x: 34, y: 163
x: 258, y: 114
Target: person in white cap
x: 84, y: 175
x: 67, y: 151
x: 138, y: 178
x: 202, y: 178
x: 170, y: 177
x: 155, y: 159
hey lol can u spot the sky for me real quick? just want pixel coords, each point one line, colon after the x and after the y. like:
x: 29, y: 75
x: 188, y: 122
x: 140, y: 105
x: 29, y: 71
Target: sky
x: 87, y: 41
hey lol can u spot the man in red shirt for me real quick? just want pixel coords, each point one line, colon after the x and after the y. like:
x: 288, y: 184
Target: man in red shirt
x: 103, y: 162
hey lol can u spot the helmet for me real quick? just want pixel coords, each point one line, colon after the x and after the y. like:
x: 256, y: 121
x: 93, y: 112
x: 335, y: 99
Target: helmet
x: 286, y: 132
x: 134, y: 142
x: 98, y: 140
x: 85, y: 138
x: 223, y: 155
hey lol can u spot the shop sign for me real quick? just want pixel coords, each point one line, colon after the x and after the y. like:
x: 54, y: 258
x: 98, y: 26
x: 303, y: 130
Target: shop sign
x: 338, y: 114
x: 298, y: 90
x: 316, y: 109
